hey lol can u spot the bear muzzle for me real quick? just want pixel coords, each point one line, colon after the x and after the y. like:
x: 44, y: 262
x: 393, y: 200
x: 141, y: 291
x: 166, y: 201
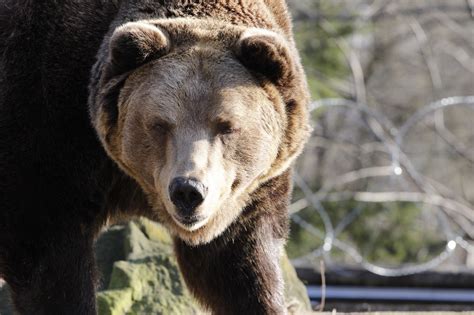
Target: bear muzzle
x: 187, y: 194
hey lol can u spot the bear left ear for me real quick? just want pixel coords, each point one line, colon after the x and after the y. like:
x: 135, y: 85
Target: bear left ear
x: 266, y: 53
x: 134, y: 44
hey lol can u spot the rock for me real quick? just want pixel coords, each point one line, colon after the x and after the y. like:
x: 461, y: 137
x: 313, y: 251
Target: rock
x: 147, y: 281
x: 109, y: 249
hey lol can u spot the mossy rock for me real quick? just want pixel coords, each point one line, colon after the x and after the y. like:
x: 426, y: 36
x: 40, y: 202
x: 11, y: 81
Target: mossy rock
x: 147, y: 280
x: 148, y: 286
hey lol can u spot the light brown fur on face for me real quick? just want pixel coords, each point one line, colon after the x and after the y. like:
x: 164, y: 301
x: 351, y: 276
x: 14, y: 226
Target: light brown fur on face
x: 172, y: 108
x: 169, y: 119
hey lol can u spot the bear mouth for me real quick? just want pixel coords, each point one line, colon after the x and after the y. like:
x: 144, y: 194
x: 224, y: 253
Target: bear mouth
x: 190, y: 222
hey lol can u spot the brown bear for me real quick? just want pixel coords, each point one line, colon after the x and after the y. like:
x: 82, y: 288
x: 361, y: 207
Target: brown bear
x: 198, y: 110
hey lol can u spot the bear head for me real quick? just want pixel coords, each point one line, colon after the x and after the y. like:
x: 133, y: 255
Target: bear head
x: 200, y: 114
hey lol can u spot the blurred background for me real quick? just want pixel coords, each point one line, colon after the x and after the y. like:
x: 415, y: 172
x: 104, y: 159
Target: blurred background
x: 383, y: 209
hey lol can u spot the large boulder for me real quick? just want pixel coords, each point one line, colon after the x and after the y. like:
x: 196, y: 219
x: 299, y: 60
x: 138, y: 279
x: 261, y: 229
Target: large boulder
x: 147, y: 279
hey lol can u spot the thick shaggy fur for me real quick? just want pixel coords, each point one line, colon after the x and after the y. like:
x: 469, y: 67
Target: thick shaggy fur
x: 59, y: 187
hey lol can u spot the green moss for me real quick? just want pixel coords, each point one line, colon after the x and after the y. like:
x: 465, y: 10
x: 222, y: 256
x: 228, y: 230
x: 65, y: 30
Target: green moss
x: 148, y: 282
x: 114, y: 302
x: 155, y: 231
x: 155, y: 285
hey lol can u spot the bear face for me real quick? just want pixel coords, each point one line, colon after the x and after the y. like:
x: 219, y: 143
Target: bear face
x: 197, y: 114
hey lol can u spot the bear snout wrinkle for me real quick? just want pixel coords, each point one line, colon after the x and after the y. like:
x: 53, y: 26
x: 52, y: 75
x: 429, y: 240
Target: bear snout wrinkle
x: 187, y: 194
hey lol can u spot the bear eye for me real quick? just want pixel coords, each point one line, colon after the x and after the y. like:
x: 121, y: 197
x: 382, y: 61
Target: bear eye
x: 226, y: 128
x: 160, y: 127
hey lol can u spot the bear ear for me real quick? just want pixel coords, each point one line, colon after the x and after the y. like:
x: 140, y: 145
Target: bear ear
x: 266, y: 53
x: 134, y: 44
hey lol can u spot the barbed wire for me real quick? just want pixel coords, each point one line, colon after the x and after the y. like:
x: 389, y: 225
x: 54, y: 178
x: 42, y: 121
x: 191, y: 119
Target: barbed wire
x: 447, y: 208
x: 450, y: 208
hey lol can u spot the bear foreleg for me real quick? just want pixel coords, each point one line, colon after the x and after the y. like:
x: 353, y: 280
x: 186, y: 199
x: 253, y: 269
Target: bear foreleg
x: 237, y: 273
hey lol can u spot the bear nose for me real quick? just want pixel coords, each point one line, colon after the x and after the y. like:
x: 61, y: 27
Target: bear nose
x: 186, y: 194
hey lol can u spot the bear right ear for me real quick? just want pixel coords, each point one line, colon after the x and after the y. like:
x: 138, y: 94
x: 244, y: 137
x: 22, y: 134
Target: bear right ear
x: 266, y: 53
x: 134, y: 44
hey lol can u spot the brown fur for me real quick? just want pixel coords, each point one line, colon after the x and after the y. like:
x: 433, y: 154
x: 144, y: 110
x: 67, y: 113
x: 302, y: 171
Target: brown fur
x: 164, y: 88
